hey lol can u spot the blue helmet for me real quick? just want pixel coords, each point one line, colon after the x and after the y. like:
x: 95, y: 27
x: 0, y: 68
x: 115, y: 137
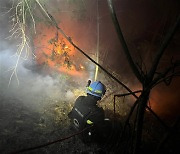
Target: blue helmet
x: 97, y: 89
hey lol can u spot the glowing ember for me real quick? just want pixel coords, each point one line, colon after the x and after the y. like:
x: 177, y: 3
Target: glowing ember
x: 57, y: 53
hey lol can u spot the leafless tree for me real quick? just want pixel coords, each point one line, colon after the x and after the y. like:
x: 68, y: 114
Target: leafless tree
x: 148, y: 80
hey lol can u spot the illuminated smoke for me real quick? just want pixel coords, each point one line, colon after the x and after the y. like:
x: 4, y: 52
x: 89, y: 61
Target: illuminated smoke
x: 164, y: 100
x: 37, y: 83
x: 143, y: 25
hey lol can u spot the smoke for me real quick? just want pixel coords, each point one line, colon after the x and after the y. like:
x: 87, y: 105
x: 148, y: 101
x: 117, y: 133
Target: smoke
x: 33, y: 87
x: 164, y: 100
x: 37, y: 86
x: 142, y: 27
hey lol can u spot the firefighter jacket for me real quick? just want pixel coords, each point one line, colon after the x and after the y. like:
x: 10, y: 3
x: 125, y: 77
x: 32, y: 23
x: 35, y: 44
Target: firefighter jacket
x: 86, y: 112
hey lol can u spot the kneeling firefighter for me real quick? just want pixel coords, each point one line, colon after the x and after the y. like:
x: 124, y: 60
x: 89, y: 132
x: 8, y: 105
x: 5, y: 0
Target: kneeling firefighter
x: 86, y: 113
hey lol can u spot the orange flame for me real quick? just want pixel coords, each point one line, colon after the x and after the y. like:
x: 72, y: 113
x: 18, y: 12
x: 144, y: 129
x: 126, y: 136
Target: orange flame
x: 55, y: 52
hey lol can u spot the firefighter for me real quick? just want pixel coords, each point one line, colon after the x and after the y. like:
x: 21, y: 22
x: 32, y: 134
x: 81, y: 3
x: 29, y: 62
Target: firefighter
x: 86, y: 113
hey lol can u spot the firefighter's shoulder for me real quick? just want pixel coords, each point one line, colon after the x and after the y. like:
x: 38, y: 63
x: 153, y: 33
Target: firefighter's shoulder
x: 80, y: 98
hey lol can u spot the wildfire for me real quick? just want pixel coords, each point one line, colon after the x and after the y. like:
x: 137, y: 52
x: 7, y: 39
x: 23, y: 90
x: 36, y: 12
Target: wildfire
x: 57, y: 53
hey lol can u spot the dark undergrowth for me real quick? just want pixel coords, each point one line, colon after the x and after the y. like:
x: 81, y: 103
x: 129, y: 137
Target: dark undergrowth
x: 22, y: 127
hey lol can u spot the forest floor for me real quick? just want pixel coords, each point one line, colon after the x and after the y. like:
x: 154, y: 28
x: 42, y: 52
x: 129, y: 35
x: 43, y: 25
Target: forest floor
x: 22, y: 126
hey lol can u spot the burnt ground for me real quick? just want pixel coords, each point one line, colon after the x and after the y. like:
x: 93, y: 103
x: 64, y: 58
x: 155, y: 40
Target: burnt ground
x: 21, y: 127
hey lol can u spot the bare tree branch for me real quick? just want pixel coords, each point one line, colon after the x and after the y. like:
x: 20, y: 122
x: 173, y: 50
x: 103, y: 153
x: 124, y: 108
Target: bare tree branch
x: 162, y: 76
x: 162, y: 48
x: 157, y: 117
x: 123, y: 42
x: 53, y: 21
x: 170, y: 76
x: 121, y: 95
x: 146, y: 88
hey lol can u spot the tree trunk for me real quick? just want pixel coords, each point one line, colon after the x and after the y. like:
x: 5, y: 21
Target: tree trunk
x: 143, y: 99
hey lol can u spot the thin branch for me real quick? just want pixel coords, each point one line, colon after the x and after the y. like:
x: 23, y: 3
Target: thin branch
x: 177, y: 74
x: 157, y: 117
x: 123, y: 42
x: 30, y: 12
x: 18, y: 30
x: 121, y: 95
x: 162, y: 48
x: 133, y: 107
x: 53, y: 21
x: 158, y: 79
x: 143, y: 100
